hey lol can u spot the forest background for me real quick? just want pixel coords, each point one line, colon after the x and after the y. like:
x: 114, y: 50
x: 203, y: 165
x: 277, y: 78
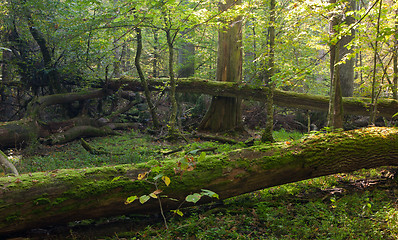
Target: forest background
x: 83, y: 58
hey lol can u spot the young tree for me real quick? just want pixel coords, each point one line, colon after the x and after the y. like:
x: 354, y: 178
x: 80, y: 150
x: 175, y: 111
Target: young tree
x: 147, y: 93
x: 267, y: 136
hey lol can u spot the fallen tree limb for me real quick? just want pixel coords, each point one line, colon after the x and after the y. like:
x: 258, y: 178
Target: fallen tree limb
x: 355, y: 106
x: 96, y: 151
x: 79, y: 131
x: 7, y: 165
x: 13, y: 134
x: 42, y: 199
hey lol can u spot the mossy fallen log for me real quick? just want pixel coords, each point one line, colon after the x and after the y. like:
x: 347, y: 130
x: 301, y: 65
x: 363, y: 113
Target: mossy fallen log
x: 353, y: 105
x: 47, y: 198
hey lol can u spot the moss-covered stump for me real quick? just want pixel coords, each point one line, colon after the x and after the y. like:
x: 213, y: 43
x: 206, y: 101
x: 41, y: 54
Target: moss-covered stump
x: 354, y: 106
x: 48, y: 198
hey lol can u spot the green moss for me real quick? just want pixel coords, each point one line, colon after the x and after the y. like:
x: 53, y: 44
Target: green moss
x: 41, y: 201
x: 13, y: 217
x: 242, y: 175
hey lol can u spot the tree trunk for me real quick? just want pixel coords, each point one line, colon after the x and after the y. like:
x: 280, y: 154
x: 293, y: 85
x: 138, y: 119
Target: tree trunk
x: 173, y: 131
x: 229, y: 69
x: 155, y: 70
x: 347, y: 68
x: 147, y: 93
x: 335, y: 112
x: 266, y: 135
x: 373, y: 108
x: 47, y: 198
x: 395, y: 59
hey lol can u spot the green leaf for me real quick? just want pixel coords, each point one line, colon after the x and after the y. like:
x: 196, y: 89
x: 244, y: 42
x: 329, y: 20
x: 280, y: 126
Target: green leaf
x: 202, y: 156
x: 158, y: 176
x: 177, y: 212
x: 144, y: 199
x: 152, y: 195
x: 210, y: 193
x: 395, y: 115
x: 193, y: 197
x: 193, y: 152
x: 130, y: 199
x: 156, y: 169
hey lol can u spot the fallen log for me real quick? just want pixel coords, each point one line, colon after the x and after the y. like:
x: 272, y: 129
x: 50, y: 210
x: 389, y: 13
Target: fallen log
x: 47, y: 198
x: 352, y: 105
x: 13, y: 134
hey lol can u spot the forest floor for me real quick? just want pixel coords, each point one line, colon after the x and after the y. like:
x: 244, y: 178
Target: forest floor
x: 359, y: 205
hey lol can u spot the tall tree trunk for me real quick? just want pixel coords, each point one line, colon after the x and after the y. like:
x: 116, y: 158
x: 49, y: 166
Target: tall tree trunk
x: 173, y: 131
x: 5, y: 71
x: 155, y: 68
x: 395, y: 59
x: 335, y: 113
x: 147, y: 93
x: 347, y: 69
x: 41, y: 199
x: 224, y: 113
x: 267, y: 136
x: 373, y: 109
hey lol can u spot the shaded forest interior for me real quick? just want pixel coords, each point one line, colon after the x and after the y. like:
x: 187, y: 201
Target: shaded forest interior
x: 211, y: 84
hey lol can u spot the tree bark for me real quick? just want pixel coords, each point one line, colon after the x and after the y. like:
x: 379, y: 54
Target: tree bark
x: 373, y: 109
x: 47, y: 198
x: 7, y: 165
x: 395, y: 59
x: 267, y: 134
x: 229, y: 69
x: 347, y: 68
x: 335, y: 112
x: 172, y: 127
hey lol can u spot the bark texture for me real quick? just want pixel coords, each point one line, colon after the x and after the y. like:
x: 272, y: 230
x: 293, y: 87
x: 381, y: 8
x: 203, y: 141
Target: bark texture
x: 47, y: 198
x: 346, y: 74
x: 229, y: 69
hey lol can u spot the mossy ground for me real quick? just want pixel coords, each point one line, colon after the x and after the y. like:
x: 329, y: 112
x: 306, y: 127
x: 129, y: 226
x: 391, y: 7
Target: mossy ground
x: 362, y: 205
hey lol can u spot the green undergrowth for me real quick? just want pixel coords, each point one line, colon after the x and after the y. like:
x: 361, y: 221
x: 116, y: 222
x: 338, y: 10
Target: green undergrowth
x: 130, y: 147
x: 331, y: 207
